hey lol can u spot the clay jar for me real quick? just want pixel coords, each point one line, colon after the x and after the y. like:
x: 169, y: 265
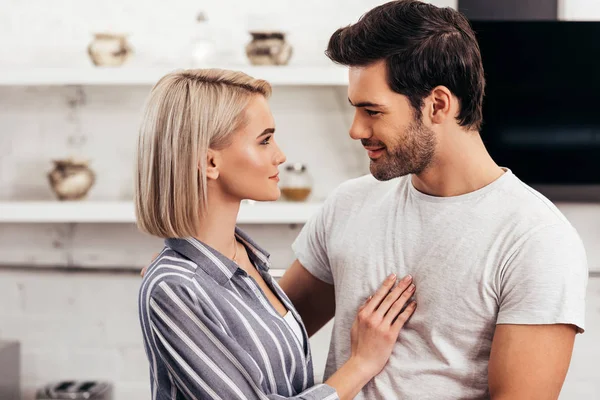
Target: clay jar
x: 268, y: 48
x: 296, y: 183
x: 71, y: 179
x: 109, y: 50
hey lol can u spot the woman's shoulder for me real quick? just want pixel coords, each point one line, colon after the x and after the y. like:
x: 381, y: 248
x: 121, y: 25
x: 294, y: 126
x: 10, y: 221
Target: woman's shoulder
x: 169, y: 268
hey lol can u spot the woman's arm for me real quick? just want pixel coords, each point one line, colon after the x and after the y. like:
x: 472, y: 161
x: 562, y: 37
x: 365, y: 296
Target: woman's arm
x: 204, y: 362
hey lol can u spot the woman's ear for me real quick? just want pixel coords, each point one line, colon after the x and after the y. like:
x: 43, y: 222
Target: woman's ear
x: 212, y: 164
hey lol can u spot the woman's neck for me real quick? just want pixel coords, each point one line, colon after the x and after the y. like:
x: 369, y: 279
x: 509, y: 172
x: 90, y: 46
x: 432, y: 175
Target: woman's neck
x: 217, y: 224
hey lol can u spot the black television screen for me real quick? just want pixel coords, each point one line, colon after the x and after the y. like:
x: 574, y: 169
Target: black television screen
x: 542, y: 55
x: 540, y: 114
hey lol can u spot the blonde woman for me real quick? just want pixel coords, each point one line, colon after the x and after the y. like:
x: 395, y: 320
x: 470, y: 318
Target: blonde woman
x: 215, y: 325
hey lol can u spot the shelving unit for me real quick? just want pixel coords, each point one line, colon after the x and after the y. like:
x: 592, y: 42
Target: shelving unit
x: 123, y: 212
x: 276, y: 75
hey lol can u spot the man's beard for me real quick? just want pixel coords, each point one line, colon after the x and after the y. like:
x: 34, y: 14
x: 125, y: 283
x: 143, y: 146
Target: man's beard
x: 412, y: 153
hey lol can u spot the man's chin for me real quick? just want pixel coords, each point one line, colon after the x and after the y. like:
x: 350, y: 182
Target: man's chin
x: 381, y: 173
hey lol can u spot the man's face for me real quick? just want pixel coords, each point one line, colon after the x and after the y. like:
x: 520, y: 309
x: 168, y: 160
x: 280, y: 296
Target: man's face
x: 396, y: 140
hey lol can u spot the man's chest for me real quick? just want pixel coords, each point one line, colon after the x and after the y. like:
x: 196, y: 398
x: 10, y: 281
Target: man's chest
x: 455, y: 268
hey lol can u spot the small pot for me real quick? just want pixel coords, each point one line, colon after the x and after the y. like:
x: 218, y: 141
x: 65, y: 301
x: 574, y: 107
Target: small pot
x: 296, y: 183
x: 109, y: 50
x: 268, y: 48
x: 71, y: 179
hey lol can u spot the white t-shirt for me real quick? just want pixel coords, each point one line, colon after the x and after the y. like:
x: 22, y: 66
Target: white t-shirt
x: 503, y: 254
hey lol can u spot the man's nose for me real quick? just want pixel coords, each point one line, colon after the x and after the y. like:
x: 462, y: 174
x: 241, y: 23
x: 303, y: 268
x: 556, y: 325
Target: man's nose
x: 358, y: 130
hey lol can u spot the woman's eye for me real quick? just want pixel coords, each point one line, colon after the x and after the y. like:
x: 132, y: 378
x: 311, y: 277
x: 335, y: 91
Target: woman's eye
x: 266, y: 140
x: 372, y: 113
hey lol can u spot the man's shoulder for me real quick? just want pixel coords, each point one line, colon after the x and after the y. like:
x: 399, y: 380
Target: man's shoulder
x: 521, y: 215
x: 526, y: 204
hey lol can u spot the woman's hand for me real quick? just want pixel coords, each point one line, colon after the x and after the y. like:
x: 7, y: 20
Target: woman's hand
x: 378, y: 323
x: 143, y: 271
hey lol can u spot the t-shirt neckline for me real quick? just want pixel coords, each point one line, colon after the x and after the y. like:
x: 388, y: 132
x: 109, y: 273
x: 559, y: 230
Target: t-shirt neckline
x: 463, y: 197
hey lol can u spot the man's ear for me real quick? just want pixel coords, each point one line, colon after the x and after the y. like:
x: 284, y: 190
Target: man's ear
x: 212, y: 164
x: 440, y: 105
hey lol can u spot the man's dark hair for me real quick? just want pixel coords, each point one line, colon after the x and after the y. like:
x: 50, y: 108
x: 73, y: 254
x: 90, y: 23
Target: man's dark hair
x: 424, y: 46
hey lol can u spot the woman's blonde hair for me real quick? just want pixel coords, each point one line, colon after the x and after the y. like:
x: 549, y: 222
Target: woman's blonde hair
x: 187, y: 113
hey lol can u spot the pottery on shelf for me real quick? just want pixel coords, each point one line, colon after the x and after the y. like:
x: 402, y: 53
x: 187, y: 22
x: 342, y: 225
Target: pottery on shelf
x: 296, y: 182
x: 268, y: 48
x: 203, y: 45
x: 71, y: 179
x: 109, y: 50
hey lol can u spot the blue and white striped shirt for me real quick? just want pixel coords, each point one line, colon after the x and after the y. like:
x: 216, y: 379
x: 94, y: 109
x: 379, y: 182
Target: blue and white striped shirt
x: 210, y: 332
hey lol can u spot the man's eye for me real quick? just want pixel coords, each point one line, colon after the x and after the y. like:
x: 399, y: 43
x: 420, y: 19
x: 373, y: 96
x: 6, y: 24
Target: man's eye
x: 372, y: 113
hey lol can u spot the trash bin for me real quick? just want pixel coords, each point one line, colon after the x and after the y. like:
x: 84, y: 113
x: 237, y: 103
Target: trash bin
x: 10, y: 369
x: 76, y: 390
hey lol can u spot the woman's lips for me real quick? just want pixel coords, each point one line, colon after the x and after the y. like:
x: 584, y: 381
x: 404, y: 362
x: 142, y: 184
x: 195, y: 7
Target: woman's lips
x: 275, y: 177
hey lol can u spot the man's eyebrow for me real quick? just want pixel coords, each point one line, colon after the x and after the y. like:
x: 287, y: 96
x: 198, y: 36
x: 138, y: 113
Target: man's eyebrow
x: 365, y: 104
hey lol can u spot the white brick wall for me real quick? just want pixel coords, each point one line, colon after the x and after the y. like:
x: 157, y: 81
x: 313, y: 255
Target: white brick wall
x: 85, y: 325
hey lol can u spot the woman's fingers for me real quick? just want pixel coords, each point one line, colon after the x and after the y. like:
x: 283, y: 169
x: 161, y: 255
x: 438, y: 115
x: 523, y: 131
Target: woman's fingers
x: 399, y: 304
x: 143, y: 271
x: 362, y: 307
x: 380, y: 294
x: 404, y: 316
x: 392, y: 296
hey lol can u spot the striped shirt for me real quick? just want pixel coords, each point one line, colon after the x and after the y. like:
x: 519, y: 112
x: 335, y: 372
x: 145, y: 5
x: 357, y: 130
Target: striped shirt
x: 211, y: 333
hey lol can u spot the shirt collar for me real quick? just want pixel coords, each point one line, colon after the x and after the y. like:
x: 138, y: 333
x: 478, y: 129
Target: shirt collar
x: 214, y: 263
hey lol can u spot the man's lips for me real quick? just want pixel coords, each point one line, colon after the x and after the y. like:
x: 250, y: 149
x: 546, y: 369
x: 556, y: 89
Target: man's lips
x: 374, y: 152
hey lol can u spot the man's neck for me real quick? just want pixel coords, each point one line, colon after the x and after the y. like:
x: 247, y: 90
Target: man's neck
x: 461, y: 165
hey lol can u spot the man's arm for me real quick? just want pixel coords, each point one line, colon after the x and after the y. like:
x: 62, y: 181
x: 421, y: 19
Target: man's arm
x: 529, y: 361
x: 313, y: 298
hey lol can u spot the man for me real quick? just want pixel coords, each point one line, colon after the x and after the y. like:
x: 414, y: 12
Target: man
x: 500, y: 273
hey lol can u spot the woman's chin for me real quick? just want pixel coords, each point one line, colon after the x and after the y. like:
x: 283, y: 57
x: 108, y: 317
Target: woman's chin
x: 266, y: 196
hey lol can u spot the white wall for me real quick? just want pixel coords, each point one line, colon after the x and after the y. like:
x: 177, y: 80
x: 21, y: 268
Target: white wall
x: 56, y: 33
x: 579, y: 10
x: 84, y: 325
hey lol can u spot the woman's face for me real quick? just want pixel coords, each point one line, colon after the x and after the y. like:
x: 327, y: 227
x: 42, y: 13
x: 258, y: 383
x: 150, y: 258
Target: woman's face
x: 248, y: 167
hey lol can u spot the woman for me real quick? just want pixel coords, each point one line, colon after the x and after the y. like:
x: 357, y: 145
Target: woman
x: 215, y: 325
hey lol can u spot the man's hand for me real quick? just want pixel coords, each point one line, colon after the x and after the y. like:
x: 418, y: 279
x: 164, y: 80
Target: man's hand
x: 143, y: 271
x: 530, y: 361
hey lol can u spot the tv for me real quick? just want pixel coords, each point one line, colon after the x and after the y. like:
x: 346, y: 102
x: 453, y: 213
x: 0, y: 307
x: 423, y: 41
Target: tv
x: 541, y: 113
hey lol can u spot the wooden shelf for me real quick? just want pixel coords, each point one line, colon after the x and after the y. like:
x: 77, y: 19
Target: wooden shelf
x: 123, y: 212
x: 276, y: 75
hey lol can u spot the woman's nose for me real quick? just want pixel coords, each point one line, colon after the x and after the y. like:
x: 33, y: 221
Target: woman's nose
x: 281, y: 158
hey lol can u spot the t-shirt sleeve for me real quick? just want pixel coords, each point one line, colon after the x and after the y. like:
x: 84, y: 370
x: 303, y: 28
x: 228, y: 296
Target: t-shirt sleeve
x: 310, y: 247
x: 544, y: 280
